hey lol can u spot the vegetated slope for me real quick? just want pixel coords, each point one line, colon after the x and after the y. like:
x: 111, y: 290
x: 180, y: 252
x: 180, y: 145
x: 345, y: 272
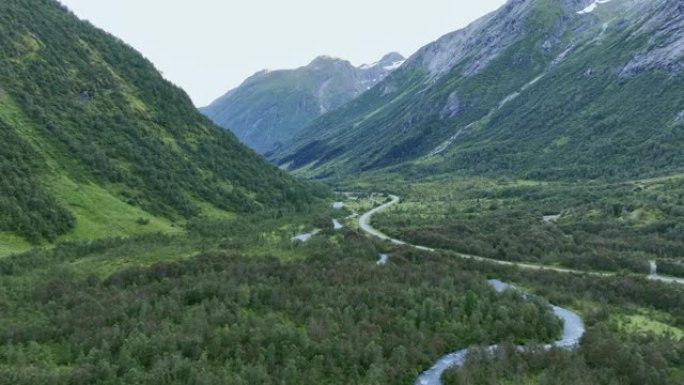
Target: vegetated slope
x: 540, y: 88
x: 269, y: 107
x: 84, y: 115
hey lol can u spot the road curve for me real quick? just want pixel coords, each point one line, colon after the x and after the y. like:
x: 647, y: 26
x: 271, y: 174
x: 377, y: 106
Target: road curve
x: 364, y: 224
x: 364, y: 221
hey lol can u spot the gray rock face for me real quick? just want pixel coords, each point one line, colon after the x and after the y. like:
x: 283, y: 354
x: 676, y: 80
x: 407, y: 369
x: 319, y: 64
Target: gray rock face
x: 270, y: 106
x: 453, y: 106
x: 487, y: 37
x: 665, y: 48
x: 475, y: 46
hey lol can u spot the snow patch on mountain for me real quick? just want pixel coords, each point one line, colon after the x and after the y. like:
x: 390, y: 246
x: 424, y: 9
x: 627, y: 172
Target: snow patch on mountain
x: 368, y: 66
x: 592, y: 7
x: 394, y: 65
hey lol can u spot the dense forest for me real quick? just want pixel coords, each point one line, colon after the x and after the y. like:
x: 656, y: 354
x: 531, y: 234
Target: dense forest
x: 330, y: 316
x: 611, y: 352
x: 333, y: 317
x: 604, y: 358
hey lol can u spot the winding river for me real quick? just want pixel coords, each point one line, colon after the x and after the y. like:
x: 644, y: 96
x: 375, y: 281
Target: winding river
x: 573, y: 330
x: 573, y: 326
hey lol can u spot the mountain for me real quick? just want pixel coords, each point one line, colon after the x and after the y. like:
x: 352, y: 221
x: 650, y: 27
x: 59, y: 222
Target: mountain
x: 551, y: 89
x: 269, y: 107
x: 96, y: 143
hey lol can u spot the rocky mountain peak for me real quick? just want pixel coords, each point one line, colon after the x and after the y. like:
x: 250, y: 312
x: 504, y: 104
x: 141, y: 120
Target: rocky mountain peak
x: 482, y: 41
x: 387, y: 64
x: 325, y: 62
x: 392, y: 57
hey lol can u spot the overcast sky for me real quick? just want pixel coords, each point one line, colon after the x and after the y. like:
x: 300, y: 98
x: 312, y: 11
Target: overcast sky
x: 210, y: 46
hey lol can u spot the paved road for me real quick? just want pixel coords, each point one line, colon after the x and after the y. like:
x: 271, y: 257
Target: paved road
x: 364, y: 221
x: 364, y: 224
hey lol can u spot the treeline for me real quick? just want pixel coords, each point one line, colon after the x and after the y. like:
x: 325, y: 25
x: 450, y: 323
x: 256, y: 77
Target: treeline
x: 223, y: 318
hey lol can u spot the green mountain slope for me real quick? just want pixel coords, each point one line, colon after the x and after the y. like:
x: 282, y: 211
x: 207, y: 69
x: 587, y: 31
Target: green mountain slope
x: 542, y: 89
x: 96, y: 143
x: 269, y: 107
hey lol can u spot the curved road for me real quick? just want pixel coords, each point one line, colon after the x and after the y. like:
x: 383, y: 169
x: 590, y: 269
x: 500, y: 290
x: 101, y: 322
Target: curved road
x: 364, y: 221
x: 364, y: 224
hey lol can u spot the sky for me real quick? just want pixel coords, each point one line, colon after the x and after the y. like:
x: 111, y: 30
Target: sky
x: 208, y: 47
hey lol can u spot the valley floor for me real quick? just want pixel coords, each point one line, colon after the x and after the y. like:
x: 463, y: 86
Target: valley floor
x: 242, y: 301
x: 364, y: 224
x: 610, y: 227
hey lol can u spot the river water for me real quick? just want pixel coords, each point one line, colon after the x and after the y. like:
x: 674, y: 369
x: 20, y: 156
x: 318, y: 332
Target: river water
x: 573, y: 330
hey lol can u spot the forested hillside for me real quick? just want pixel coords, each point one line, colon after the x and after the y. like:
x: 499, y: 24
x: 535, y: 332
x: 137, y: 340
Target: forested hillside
x: 83, y: 115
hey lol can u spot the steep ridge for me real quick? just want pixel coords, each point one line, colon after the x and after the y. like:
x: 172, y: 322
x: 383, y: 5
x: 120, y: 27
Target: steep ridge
x: 269, y: 107
x: 539, y: 88
x: 95, y: 141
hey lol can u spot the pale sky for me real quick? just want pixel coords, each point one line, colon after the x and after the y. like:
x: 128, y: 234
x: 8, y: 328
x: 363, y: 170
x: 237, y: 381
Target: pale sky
x: 210, y: 46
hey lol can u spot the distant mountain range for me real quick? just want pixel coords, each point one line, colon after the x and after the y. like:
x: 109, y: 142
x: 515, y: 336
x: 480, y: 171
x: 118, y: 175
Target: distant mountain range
x: 271, y: 106
x: 96, y: 143
x: 555, y: 89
